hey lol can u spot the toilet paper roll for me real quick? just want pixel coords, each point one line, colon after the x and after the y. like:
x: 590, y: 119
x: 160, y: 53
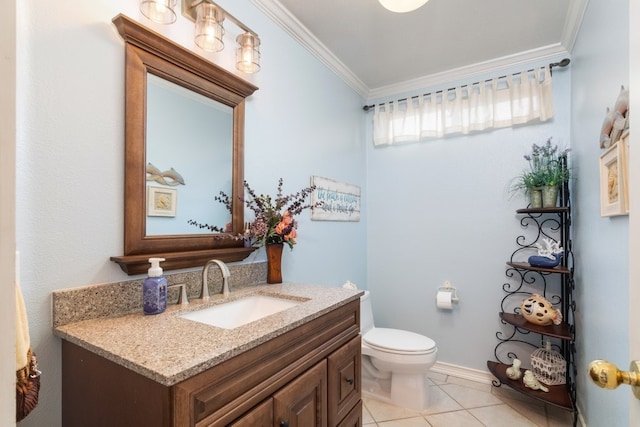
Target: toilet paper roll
x: 443, y: 300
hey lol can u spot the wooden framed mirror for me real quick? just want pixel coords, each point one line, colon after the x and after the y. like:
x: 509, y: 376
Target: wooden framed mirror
x: 152, y: 57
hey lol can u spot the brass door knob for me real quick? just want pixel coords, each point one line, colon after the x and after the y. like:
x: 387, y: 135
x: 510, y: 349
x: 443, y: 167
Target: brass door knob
x: 607, y: 375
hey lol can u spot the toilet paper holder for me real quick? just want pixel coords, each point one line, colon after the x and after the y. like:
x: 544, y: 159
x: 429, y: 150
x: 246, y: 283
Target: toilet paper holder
x: 446, y: 287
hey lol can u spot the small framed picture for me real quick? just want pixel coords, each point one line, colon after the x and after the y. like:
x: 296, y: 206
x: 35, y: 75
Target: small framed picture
x: 612, y: 181
x: 161, y: 201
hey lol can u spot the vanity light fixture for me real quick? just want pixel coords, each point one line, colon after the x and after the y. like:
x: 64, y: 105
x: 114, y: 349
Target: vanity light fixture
x: 160, y: 11
x: 209, y: 18
x: 248, y: 53
x: 209, y: 29
x: 402, y: 6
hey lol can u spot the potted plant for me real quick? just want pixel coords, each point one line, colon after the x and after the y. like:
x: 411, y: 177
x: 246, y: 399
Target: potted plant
x: 547, y: 172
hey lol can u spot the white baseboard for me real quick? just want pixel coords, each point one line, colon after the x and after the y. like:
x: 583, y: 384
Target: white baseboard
x: 479, y: 376
x: 462, y: 372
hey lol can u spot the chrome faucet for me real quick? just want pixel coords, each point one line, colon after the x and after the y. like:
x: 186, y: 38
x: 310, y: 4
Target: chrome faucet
x: 225, y: 278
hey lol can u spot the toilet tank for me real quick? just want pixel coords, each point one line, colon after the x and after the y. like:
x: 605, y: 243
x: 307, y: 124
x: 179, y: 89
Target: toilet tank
x: 366, y: 314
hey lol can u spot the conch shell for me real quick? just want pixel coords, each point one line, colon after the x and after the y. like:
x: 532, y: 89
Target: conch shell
x: 537, y: 310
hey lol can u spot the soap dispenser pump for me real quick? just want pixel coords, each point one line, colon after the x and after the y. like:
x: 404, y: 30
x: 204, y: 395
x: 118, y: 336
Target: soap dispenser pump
x: 154, y: 289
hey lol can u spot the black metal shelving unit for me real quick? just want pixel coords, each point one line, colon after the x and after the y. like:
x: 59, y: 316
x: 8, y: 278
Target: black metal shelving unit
x: 557, y: 286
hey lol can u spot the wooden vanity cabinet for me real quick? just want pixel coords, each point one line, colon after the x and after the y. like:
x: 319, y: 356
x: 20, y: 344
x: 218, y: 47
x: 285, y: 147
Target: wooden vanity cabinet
x: 309, y: 376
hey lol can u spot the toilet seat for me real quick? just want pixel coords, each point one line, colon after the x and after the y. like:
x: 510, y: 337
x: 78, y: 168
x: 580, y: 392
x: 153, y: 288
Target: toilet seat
x: 397, y: 341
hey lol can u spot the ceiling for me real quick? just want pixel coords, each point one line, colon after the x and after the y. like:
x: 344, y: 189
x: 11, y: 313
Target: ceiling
x: 378, y: 52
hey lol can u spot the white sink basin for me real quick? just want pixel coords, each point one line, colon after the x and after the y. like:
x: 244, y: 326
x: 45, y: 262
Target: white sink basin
x: 239, y: 312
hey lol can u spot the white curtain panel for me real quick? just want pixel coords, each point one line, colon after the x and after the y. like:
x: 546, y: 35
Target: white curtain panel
x: 501, y: 102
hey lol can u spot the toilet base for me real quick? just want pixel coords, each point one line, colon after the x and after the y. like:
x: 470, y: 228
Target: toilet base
x: 409, y: 391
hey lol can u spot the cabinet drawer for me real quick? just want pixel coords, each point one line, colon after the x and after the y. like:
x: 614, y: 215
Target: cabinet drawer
x: 353, y: 418
x: 344, y: 380
x: 260, y: 416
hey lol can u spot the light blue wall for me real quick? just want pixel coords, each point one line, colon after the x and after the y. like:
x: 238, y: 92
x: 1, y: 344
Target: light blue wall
x: 303, y: 121
x: 440, y: 210
x: 433, y: 211
x: 600, y: 66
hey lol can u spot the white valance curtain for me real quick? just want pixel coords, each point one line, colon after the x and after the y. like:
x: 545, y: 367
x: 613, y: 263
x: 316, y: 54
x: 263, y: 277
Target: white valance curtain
x: 501, y: 102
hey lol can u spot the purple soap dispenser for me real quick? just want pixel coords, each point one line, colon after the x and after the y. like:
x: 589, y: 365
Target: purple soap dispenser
x: 154, y: 289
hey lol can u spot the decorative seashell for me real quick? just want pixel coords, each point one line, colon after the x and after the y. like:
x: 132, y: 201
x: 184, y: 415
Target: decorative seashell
x: 513, y: 372
x: 537, y: 310
x: 531, y: 382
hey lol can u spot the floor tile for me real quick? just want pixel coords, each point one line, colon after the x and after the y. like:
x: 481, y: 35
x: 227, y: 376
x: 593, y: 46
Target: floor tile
x: 381, y: 411
x: 501, y: 416
x: 533, y: 410
x: 437, y: 377
x: 406, y: 422
x: 453, y: 419
x: 439, y: 401
x: 557, y: 417
x: 366, y: 416
x: 469, y: 397
x: 456, y: 402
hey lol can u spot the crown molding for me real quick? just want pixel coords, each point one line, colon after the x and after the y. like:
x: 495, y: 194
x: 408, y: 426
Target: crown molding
x: 549, y: 53
x: 577, y: 9
x: 282, y: 17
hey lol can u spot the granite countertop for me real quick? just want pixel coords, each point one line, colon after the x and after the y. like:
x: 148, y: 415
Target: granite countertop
x: 169, y: 349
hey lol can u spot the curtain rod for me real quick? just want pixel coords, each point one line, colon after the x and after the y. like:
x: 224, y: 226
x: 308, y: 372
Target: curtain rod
x: 561, y: 64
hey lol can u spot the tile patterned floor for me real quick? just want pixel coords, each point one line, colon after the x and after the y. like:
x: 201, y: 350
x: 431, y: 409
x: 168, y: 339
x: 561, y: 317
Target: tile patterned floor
x: 457, y: 402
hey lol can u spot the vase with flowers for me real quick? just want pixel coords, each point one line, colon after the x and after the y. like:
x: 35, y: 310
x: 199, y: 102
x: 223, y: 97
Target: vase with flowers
x: 273, y: 225
x: 547, y: 172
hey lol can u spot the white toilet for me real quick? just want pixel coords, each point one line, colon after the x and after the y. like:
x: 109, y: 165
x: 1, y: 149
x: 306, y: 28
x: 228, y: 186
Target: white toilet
x: 394, y: 362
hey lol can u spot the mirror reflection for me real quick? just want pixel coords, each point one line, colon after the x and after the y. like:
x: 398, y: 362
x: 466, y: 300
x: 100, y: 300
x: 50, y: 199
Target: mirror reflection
x: 189, y: 154
x: 182, y: 188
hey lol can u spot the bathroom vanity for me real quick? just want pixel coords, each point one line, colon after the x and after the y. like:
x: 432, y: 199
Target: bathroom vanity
x: 299, y: 367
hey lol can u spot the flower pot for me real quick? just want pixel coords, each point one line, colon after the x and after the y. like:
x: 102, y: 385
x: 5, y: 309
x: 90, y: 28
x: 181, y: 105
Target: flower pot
x: 549, y: 196
x: 535, y: 198
x: 274, y: 262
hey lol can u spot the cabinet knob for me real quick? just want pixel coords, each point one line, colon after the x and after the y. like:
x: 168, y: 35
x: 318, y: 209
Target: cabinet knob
x: 607, y: 375
x: 349, y: 381
x: 284, y: 423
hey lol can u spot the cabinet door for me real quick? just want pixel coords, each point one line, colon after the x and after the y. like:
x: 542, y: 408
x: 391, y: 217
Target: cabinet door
x: 343, y: 372
x: 302, y: 402
x: 260, y: 416
x: 353, y: 418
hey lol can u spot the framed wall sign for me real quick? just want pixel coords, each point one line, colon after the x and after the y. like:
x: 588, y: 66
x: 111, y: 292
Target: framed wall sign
x: 340, y: 201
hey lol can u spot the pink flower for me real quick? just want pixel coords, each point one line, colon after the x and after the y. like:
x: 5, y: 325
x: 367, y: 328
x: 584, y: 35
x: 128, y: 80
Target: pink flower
x: 287, y: 218
x: 291, y: 236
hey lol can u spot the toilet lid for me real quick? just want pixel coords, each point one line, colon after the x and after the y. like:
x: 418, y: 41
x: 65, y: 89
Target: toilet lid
x: 399, y: 341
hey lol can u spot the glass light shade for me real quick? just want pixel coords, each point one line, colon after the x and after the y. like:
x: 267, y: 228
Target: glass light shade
x: 160, y: 11
x: 248, y: 53
x: 402, y: 6
x: 209, y: 29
